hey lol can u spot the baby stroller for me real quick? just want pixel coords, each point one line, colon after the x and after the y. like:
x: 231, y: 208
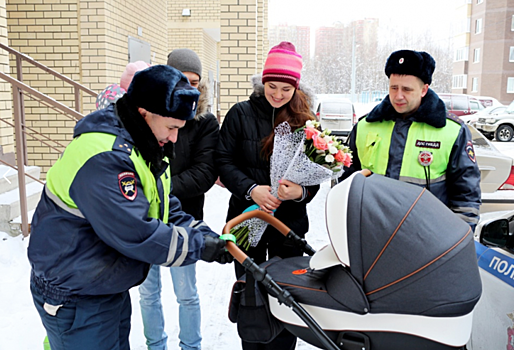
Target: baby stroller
x: 400, y: 272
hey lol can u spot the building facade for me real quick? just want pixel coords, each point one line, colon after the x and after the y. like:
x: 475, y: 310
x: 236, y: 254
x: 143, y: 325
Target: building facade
x: 91, y: 42
x: 484, y: 49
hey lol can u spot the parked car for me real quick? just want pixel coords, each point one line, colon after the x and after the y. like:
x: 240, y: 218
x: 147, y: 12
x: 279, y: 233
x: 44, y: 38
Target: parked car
x: 501, y: 125
x: 337, y: 115
x: 484, y: 113
x: 460, y: 104
x: 497, y: 174
x: 493, y: 318
x: 488, y: 101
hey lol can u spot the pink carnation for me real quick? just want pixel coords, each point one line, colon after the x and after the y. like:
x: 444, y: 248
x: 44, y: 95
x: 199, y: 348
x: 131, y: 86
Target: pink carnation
x: 310, y: 132
x: 320, y: 143
x: 339, y: 156
x: 347, y: 160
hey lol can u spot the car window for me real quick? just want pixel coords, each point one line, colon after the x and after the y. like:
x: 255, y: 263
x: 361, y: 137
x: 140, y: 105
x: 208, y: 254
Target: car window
x: 460, y: 103
x: 475, y: 105
x: 336, y: 108
x: 510, y: 109
x: 497, y: 110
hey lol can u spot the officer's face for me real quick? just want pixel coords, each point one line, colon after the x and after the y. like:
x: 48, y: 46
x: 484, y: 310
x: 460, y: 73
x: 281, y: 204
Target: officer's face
x: 164, y: 128
x: 406, y: 92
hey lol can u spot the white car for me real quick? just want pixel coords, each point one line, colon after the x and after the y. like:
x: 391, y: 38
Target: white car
x: 501, y: 125
x: 487, y: 112
x: 497, y: 174
x: 337, y: 115
x: 493, y: 318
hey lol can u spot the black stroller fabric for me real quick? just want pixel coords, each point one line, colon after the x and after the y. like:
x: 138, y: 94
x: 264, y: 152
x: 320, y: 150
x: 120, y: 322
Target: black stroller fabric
x: 249, y: 308
x: 408, y: 254
x: 408, y: 251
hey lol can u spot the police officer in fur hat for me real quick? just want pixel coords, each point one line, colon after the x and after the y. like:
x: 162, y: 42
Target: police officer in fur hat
x: 106, y: 214
x: 411, y: 137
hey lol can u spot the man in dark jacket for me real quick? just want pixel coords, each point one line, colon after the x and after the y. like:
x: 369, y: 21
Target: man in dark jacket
x: 106, y: 214
x: 411, y: 137
x: 193, y: 174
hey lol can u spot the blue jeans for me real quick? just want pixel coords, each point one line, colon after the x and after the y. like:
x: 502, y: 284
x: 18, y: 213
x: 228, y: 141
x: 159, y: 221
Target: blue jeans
x: 184, y: 285
x: 96, y: 322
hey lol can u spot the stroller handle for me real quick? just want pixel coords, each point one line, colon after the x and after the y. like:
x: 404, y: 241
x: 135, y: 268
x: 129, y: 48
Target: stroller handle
x: 236, y: 252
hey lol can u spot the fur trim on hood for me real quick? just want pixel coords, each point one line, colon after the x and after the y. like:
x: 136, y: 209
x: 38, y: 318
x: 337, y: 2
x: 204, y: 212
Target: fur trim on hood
x: 203, y: 100
x: 258, y: 88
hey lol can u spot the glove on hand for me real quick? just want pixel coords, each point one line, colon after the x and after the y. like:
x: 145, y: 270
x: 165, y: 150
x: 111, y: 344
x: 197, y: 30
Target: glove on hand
x: 214, y: 250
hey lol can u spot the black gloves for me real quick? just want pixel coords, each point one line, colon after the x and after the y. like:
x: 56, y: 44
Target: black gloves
x: 214, y: 250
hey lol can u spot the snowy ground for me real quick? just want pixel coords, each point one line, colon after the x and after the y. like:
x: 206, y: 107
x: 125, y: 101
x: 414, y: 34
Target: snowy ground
x: 21, y: 328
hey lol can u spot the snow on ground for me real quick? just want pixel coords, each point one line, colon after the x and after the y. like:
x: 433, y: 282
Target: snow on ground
x: 21, y: 328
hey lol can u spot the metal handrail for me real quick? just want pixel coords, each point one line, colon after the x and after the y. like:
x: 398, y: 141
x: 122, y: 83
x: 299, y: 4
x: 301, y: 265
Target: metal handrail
x: 19, y: 90
x: 49, y: 70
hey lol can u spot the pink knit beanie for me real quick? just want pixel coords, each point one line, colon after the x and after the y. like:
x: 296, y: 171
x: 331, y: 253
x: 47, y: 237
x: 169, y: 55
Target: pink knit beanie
x: 130, y: 70
x: 283, y: 64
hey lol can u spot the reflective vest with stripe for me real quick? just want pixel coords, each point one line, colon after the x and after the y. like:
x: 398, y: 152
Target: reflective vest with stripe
x: 79, y: 151
x: 373, y: 142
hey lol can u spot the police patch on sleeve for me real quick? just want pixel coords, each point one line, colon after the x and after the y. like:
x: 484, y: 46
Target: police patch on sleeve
x: 127, y: 182
x: 471, y: 152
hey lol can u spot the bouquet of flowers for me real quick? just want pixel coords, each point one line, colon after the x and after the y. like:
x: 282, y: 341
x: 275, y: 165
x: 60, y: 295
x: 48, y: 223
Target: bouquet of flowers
x: 308, y: 156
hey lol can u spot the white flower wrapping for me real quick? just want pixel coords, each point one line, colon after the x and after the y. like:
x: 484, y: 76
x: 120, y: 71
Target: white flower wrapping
x: 289, y: 162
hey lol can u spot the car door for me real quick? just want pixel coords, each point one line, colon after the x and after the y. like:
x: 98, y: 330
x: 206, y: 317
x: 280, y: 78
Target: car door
x: 493, y: 318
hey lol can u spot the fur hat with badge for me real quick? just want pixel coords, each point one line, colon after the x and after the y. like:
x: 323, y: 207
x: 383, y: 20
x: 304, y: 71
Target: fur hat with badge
x: 408, y: 62
x: 164, y: 90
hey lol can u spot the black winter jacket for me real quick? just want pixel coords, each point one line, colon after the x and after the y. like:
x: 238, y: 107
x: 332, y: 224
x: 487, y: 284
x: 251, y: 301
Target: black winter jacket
x: 193, y: 169
x: 241, y: 164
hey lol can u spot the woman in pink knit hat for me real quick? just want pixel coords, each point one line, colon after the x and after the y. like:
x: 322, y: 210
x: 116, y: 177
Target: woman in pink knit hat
x: 243, y: 159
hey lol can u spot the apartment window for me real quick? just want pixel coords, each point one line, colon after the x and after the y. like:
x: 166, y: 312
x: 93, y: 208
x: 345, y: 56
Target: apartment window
x: 478, y: 26
x: 511, y: 54
x: 460, y: 81
x: 512, y: 24
x: 474, y: 85
x: 461, y: 54
x: 476, y: 55
x: 480, y: 1
x: 510, y: 85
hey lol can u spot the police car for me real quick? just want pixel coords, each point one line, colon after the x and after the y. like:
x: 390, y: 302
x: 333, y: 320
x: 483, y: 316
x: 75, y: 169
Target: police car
x: 493, y: 319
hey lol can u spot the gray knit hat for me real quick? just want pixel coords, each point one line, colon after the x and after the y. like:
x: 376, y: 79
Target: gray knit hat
x: 185, y: 60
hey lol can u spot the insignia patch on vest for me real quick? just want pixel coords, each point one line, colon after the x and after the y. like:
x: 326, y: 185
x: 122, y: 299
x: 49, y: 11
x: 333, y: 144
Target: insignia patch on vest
x: 127, y: 182
x: 428, y: 144
x: 471, y: 152
x: 425, y: 158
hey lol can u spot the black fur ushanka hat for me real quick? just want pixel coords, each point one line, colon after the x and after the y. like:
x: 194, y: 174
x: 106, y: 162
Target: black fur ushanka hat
x: 408, y: 62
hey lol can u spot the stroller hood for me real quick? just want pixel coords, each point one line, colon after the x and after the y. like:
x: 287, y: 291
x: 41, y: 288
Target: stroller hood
x: 407, y: 250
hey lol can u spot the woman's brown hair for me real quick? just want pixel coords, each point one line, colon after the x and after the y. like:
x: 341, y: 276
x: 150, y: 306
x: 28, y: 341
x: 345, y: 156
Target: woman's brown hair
x: 296, y: 112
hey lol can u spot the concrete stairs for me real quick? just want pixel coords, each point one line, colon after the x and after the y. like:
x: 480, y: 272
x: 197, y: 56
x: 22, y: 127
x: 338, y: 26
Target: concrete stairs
x: 10, y: 214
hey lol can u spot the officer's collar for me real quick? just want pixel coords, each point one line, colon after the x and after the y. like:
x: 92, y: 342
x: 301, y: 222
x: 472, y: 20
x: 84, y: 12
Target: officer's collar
x: 431, y: 111
x: 143, y: 137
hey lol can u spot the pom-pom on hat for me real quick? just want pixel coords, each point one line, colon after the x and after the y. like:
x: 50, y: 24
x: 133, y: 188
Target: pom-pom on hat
x: 164, y: 90
x: 185, y: 60
x: 407, y: 62
x: 130, y: 70
x: 283, y: 64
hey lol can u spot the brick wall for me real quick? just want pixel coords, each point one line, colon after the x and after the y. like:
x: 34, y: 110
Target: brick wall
x: 6, y: 131
x: 238, y: 52
x: 85, y: 40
